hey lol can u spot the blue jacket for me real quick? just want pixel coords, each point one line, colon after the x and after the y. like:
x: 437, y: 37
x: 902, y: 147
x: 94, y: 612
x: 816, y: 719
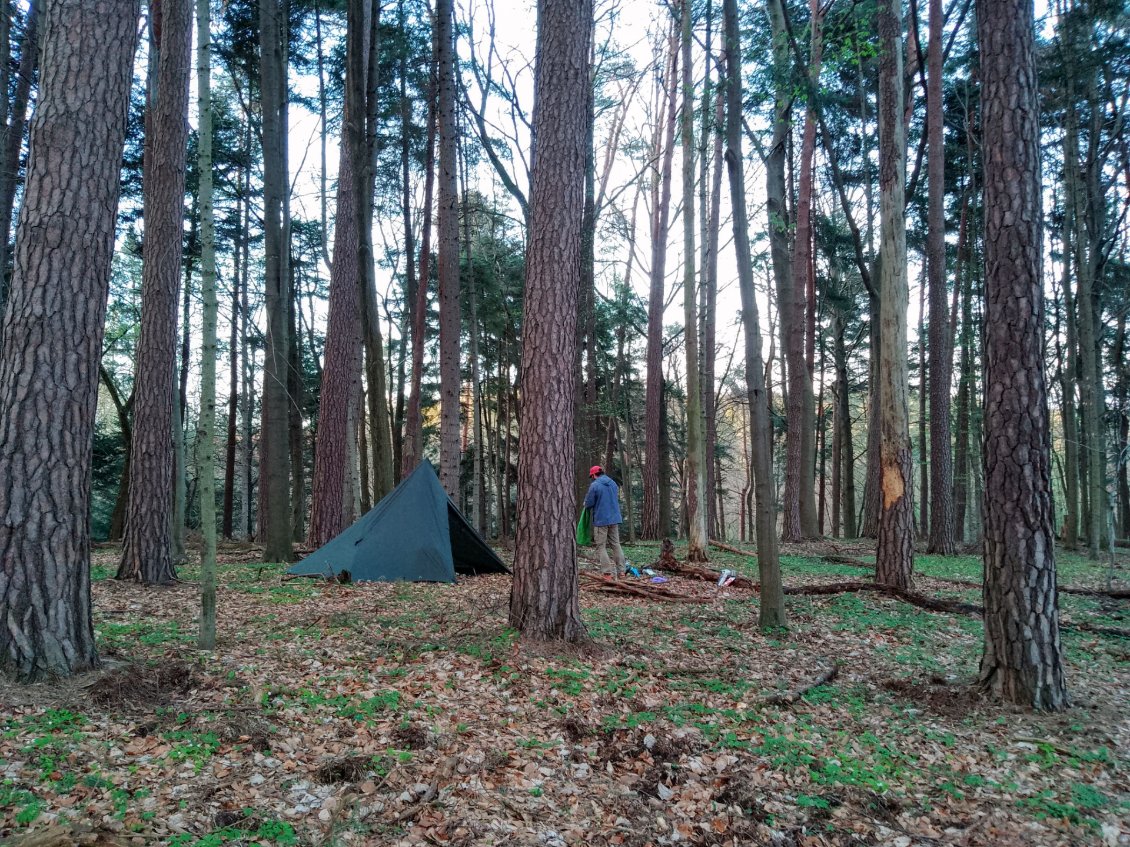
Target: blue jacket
x: 604, y: 499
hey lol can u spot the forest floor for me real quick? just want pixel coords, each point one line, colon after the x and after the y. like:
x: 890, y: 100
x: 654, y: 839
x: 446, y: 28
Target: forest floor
x: 409, y: 714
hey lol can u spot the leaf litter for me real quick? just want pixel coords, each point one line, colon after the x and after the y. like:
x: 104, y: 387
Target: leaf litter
x: 411, y: 715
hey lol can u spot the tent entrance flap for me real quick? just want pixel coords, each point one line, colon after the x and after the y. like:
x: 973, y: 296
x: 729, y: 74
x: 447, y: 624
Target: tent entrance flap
x: 415, y: 534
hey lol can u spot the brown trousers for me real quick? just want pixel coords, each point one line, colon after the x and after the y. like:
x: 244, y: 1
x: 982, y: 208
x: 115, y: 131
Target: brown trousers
x: 602, y: 536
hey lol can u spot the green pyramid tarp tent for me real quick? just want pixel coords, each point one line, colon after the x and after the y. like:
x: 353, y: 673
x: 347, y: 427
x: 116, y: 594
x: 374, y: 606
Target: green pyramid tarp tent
x: 415, y: 534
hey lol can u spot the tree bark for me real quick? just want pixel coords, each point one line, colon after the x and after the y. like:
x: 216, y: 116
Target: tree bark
x: 341, y: 379
x: 772, y: 610
x: 894, y: 558
x: 12, y: 137
x: 799, y: 503
x: 274, y: 439
x: 654, y: 410
x: 228, y: 524
x: 697, y: 494
x: 206, y: 444
x: 544, y: 597
x: 52, y: 339
x: 448, y: 261
x: 146, y: 551
x: 413, y: 435
x: 1022, y: 662
x: 941, y: 347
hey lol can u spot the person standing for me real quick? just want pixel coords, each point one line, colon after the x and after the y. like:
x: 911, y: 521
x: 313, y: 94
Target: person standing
x: 603, y: 499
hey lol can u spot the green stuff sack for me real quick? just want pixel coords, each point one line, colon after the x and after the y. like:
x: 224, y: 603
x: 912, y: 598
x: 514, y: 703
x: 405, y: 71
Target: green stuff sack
x: 584, y: 527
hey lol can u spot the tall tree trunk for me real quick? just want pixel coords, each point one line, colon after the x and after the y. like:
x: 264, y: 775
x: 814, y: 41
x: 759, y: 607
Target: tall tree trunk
x: 697, y: 494
x: 146, y: 553
x: 12, y: 137
x: 295, y: 389
x: 799, y: 497
x: 1122, y: 395
x: 448, y: 262
x: 654, y: 410
x: 341, y: 379
x: 413, y: 435
x: 206, y: 443
x: 49, y: 356
x: 709, y: 315
x: 411, y: 283
x: 380, y: 433
x: 1069, y: 380
x: 964, y: 395
x: 544, y: 597
x: 274, y: 455
x: 923, y: 448
x: 941, y: 347
x: 1023, y: 661
x: 247, y: 358
x: 228, y: 521
x: 772, y: 610
x: 894, y: 558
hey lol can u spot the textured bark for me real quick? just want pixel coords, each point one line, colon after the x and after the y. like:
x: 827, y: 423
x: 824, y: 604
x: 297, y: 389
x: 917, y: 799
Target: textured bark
x: 228, y: 520
x: 697, y: 494
x: 448, y: 259
x: 118, y: 516
x: 274, y: 438
x: 941, y: 348
x: 772, y: 608
x: 146, y: 551
x: 663, y: 151
x: 341, y: 379
x: 544, y: 596
x: 1067, y: 385
x: 413, y: 434
x: 709, y: 317
x: 12, y: 136
x: 1118, y: 356
x: 799, y: 503
x: 894, y: 557
x: 52, y: 340
x: 1022, y: 662
x: 206, y: 443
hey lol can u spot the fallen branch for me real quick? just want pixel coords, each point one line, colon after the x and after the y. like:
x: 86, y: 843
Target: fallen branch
x: 847, y: 560
x: 789, y: 697
x: 1097, y: 630
x: 932, y: 604
x: 1116, y: 594
x: 620, y: 587
x: 737, y: 551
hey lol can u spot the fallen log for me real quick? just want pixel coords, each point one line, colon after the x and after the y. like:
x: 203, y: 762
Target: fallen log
x: 1114, y: 594
x: 851, y: 561
x: 789, y: 697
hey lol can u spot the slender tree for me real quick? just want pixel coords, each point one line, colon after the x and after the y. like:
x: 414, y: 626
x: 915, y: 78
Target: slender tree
x: 941, y: 354
x: 544, y: 598
x: 1023, y: 660
x: 654, y: 411
x: 147, y: 547
x: 206, y: 439
x: 332, y: 501
x: 772, y: 612
x: 695, y: 476
x: 12, y: 136
x: 448, y: 258
x: 274, y: 453
x: 894, y: 559
x: 52, y: 340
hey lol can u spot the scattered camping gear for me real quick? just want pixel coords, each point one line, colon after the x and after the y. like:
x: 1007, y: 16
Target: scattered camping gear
x: 584, y: 528
x: 415, y: 534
